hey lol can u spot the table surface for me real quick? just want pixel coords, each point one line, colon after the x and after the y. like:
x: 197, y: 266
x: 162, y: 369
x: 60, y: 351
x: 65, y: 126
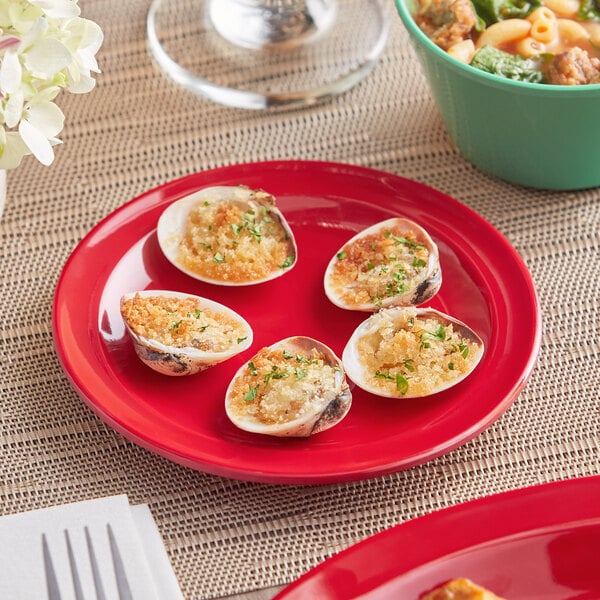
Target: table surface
x: 225, y: 537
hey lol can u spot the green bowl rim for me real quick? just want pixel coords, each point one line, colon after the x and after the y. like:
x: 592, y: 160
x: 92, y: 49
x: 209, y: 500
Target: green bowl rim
x: 474, y: 73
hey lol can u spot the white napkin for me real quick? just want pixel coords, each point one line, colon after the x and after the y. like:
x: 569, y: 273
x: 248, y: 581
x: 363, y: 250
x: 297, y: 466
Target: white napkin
x: 146, y: 563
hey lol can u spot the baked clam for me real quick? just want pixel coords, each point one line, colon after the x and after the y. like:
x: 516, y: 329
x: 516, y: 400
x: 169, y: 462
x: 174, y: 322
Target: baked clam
x: 227, y: 235
x: 409, y: 352
x: 181, y: 334
x: 296, y: 388
x: 392, y: 263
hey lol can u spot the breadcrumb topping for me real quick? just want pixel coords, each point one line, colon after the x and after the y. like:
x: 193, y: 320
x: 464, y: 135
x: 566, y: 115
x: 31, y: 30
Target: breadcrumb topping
x: 414, y: 356
x: 182, y: 323
x: 278, y: 386
x: 378, y: 266
x: 227, y: 241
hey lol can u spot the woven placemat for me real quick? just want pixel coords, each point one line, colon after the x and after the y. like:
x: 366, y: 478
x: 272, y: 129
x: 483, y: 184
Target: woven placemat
x: 137, y: 130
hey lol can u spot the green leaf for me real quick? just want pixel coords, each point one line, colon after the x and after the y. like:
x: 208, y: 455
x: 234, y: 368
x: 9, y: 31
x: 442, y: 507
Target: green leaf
x: 589, y: 10
x: 507, y: 65
x: 492, y: 11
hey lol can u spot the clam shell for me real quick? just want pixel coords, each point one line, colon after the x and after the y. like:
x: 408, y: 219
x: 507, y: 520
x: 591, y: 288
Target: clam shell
x: 378, y: 360
x: 260, y: 215
x: 322, y: 410
x: 368, y: 282
x: 172, y: 360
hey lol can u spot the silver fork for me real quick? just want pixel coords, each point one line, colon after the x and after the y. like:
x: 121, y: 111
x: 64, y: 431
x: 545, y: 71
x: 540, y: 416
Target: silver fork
x: 119, y: 570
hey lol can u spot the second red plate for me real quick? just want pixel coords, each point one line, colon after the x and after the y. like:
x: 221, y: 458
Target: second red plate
x: 485, y: 284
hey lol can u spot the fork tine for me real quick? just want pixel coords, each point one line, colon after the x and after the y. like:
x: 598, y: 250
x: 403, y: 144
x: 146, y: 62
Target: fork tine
x: 122, y: 583
x: 74, y: 572
x: 51, y: 583
x: 95, y: 571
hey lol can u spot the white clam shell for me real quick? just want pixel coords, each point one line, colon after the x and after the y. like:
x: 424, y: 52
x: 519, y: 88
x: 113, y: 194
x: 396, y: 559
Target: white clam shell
x: 420, y: 288
x: 354, y: 359
x: 171, y: 360
x: 328, y: 406
x: 172, y: 225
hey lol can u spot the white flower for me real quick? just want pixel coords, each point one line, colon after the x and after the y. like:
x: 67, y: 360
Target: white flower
x: 45, y: 46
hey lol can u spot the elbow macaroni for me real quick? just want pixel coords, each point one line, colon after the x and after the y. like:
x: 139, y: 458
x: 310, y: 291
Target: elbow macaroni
x: 543, y: 25
x: 571, y: 33
x: 546, y: 29
x: 529, y: 46
x: 504, y: 32
x: 563, y: 8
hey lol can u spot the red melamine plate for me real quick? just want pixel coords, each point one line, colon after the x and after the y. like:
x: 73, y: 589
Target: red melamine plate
x: 485, y: 284
x: 537, y: 543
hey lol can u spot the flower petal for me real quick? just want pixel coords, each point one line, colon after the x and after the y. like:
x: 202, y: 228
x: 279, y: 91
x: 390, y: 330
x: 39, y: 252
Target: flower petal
x: 12, y: 151
x: 13, y: 109
x: 83, y: 84
x: 46, y: 117
x: 10, y: 73
x: 46, y: 58
x: 36, y: 142
x: 58, y: 9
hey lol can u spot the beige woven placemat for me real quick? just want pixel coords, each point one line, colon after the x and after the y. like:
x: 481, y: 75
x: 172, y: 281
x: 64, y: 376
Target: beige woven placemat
x: 137, y: 130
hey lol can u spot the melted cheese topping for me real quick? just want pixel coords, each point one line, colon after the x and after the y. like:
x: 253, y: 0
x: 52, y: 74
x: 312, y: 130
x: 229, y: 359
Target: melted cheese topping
x: 412, y: 355
x: 460, y: 589
x: 226, y: 242
x: 182, y: 323
x: 278, y: 386
x: 378, y: 266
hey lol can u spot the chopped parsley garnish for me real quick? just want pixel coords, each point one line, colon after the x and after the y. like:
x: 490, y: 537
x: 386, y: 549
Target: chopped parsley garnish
x: 276, y: 373
x: 255, y: 232
x: 287, y: 262
x: 308, y: 361
x: 384, y: 375
x: 241, y: 339
x: 399, y: 379
x: 251, y: 394
x: 252, y: 368
x: 438, y: 334
x: 341, y: 255
x: 219, y: 258
x: 265, y: 215
x: 401, y: 384
x: 300, y: 373
x: 408, y: 364
x: 408, y: 242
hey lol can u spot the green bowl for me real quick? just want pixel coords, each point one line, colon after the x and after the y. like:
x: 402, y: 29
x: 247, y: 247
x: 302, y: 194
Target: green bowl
x: 532, y: 134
